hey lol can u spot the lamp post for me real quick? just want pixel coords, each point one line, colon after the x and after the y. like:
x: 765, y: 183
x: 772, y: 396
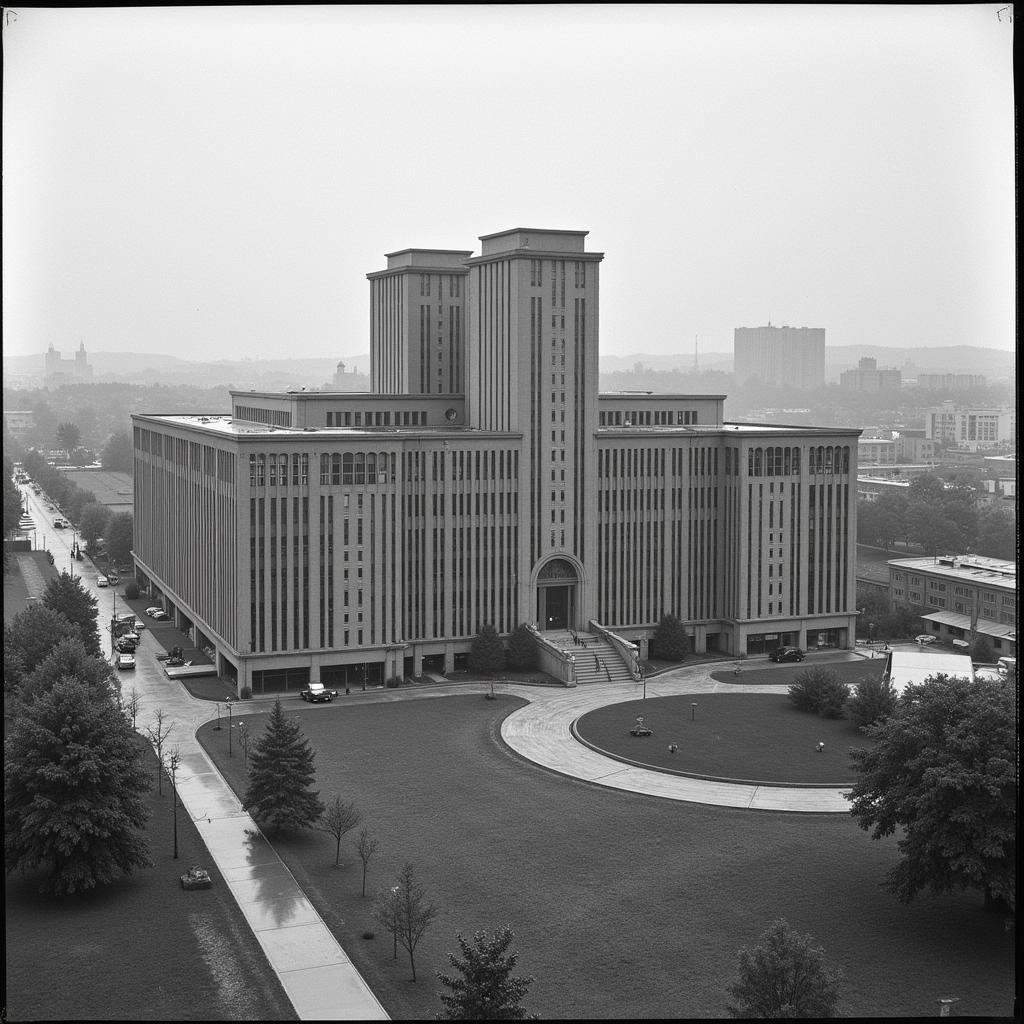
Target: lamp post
x: 693, y: 712
x: 230, y: 751
x: 217, y: 726
x: 394, y: 920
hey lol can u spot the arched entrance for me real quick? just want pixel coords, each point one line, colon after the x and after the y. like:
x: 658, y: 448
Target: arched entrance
x: 556, y: 595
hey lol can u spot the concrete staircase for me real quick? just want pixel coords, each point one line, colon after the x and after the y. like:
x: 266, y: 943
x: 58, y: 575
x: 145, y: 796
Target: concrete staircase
x: 596, y: 662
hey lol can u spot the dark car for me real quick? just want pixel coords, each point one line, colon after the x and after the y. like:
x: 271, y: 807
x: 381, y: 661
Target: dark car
x: 787, y: 654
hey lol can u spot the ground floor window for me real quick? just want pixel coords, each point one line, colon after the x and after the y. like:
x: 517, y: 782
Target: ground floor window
x: 765, y: 643
x: 821, y: 638
x: 280, y: 680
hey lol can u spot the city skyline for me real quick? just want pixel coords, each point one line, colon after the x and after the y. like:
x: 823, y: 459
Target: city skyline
x: 216, y: 183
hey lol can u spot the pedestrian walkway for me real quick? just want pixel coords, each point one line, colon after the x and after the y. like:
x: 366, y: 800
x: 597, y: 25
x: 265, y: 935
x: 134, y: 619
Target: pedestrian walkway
x: 34, y: 582
x: 314, y: 970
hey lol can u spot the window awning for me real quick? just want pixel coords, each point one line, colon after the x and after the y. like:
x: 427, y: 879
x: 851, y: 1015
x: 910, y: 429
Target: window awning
x: 986, y: 626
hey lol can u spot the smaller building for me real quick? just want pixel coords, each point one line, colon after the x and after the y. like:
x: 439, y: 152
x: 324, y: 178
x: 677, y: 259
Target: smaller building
x: 968, y: 428
x: 913, y: 446
x: 876, y: 451
x: 950, y: 381
x: 963, y: 594
x: 867, y: 377
x: 18, y: 424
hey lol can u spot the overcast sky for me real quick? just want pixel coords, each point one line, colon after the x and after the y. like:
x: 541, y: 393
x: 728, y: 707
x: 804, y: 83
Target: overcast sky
x: 217, y: 182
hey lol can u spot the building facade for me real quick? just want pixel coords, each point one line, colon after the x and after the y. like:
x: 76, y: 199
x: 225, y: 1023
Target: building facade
x: 876, y: 451
x: 867, y: 377
x: 786, y: 356
x: 970, y: 429
x: 950, y: 381
x: 483, y: 479
x: 963, y: 593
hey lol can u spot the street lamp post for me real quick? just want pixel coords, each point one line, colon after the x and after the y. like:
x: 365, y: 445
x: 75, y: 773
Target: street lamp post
x: 394, y: 920
x: 217, y: 726
x: 230, y: 751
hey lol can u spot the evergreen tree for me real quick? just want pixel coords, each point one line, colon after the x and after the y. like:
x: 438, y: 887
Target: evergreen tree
x: 486, y: 990
x: 69, y: 659
x: 281, y: 776
x: 28, y: 639
x: 65, y: 594
x: 522, y: 649
x: 487, y: 654
x: 784, y: 976
x: 73, y: 790
x: 117, y: 453
x: 670, y: 640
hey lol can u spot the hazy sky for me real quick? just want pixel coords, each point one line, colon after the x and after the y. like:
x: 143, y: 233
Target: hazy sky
x: 216, y: 182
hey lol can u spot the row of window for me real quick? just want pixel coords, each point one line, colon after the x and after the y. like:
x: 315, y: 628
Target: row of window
x: 454, y: 284
x: 412, y: 418
x: 648, y: 418
x: 276, y: 417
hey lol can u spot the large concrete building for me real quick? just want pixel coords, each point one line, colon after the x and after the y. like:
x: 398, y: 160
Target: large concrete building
x: 483, y: 479
x: 786, y: 356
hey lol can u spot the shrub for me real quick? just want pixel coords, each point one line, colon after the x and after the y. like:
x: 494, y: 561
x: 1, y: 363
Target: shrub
x: 981, y: 651
x: 818, y: 690
x: 394, y: 682
x: 368, y: 935
x: 522, y: 649
x: 871, y: 702
x: 131, y: 590
x: 670, y: 641
x: 245, y: 693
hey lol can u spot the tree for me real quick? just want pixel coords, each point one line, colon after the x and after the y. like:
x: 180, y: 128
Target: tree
x: 339, y: 817
x: 132, y: 704
x: 28, y: 639
x: 943, y: 772
x: 366, y: 847
x: 487, y: 989
x: 872, y: 701
x: 413, y: 913
x: 670, y: 640
x: 158, y: 733
x: 12, y: 500
x: 522, y: 649
x: 65, y: 594
x: 117, y: 454
x: 69, y: 437
x: 92, y: 522
x: 487, y: 655
x: 997, y: 532
x: 68, y: 658
x: 120, y: 536
x: 981, y: 650
x: 890, y: 517
x: 73, y: 790
x: 819, y: 690
x: 784, y: 976
x: 281, y: 776
x: 385, y: 911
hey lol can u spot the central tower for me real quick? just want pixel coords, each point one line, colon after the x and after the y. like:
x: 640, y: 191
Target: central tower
x: 532, y: 369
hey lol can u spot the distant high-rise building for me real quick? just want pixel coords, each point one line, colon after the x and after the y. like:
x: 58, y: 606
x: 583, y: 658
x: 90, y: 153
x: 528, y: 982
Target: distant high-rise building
x: 788, y: 356
x: 867, y: 377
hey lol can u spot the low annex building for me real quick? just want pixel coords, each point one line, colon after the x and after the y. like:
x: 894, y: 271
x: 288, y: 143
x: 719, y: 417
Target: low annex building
x: 338, y: 537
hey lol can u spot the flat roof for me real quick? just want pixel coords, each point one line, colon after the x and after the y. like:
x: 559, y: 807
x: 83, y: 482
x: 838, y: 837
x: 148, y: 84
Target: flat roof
x: 968, y: 568
x: 906, y: 667
x: 986, y: 626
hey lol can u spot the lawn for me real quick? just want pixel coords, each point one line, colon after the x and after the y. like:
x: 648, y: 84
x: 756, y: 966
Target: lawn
x: 623, y: 906
x: 140, y: 949
x: 750, y: 737
x: 782, y: 675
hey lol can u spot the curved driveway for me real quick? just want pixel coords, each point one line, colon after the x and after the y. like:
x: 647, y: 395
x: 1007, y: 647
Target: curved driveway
x: 541, y: 732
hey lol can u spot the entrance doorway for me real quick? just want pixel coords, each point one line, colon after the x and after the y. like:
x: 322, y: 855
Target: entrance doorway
x: 556, y: 605
x: 556, y: 595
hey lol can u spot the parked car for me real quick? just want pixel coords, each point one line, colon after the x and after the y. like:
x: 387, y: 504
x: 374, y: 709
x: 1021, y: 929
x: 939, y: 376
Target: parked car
x: 153, y: 608
x: 113, y: 578
x: 925, y: 638
x: 159, y: 615
x: 102, y: 581
x: 126, y: 660
x: 59, y: 524
x: 787, y: 654
x: 316, y: 692
x: 125, y: 645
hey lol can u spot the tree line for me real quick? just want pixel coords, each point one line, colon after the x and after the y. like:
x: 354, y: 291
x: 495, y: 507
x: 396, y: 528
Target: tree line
x: 938, y: 520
